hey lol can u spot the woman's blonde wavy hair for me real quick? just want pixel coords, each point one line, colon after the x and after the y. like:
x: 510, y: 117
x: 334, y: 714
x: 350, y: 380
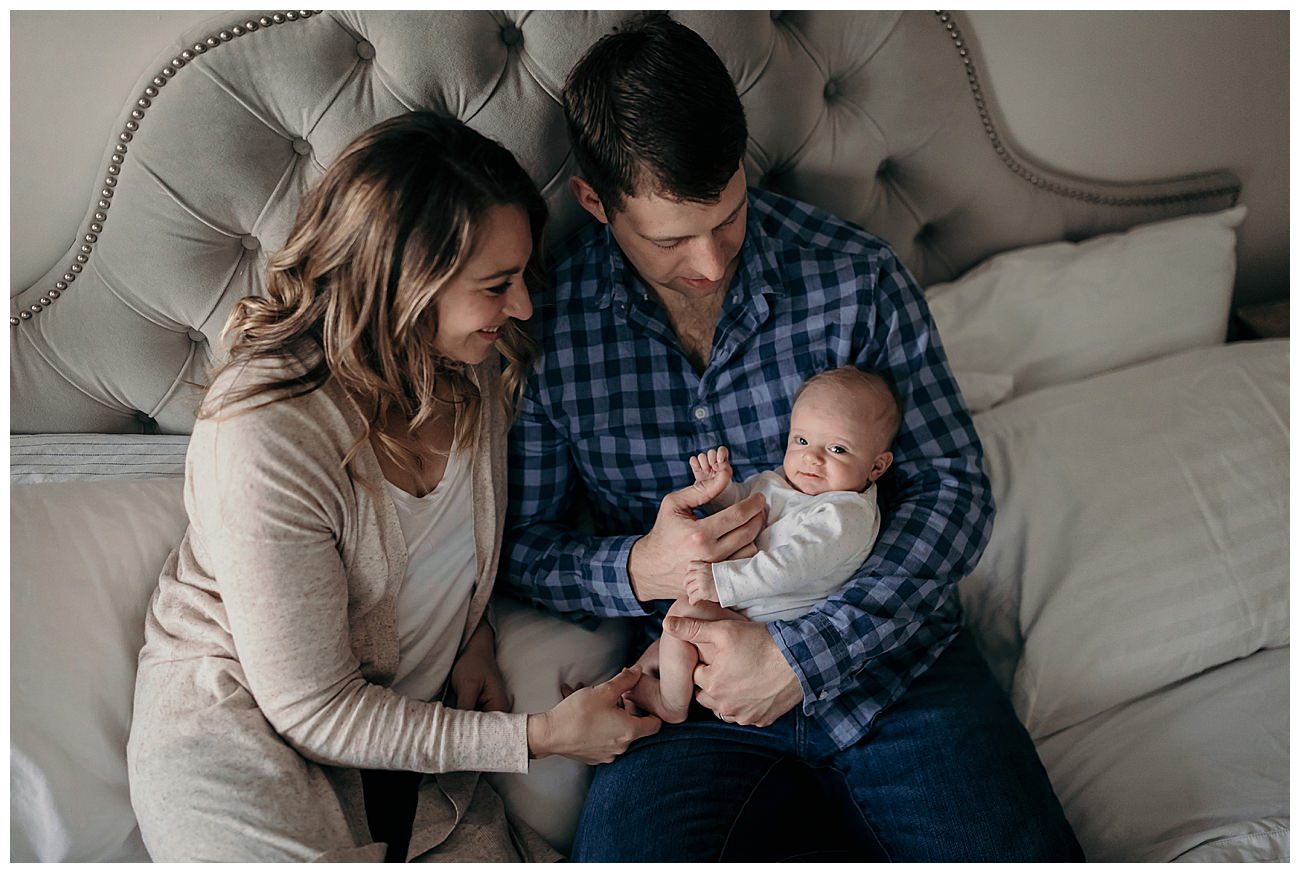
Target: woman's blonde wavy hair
x: 352, y: 292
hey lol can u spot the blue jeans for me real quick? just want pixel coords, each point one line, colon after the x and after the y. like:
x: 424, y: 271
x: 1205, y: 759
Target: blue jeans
x: 945, y: 774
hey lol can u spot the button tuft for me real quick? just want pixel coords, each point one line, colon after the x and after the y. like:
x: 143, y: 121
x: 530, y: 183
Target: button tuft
x: 301, y: 146
x: 250, y: 242
x: 365, y: 50
x: 511, y: 35
x: 196, y: 335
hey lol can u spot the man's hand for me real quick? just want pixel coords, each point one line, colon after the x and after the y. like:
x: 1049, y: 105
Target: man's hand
x: 742, y: 676
x: 659, y: 560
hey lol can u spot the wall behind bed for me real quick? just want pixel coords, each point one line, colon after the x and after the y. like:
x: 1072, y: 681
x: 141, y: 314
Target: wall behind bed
x: 1117, y: 95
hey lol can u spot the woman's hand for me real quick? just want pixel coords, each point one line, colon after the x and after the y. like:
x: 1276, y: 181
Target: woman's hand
x: 590, y: 725
x: 476, y: 681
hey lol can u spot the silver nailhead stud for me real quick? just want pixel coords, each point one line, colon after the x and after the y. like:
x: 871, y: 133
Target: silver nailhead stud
x: 36, y: 307
x: 24, y: 315
x: 75, y: 268
x: 54, y: 292
x: 85, y: 249
x: 212, y: 42
x: 169, y: 71
x: 45, y: 301
x: 187, y: 55
x: 125, y: 136
x: 151, y: 91
x: 60, y: 286
x: 69, y: 278
x: 178, y: 62
x: 81, y: 259
x: 159, y: 81
x: 13, y: 319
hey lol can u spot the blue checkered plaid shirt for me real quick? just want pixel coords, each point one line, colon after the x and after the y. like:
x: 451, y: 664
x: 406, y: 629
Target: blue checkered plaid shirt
x: 614, y: 409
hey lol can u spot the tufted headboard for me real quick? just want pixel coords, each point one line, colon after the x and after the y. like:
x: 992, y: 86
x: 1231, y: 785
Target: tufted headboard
x: 876, y: 116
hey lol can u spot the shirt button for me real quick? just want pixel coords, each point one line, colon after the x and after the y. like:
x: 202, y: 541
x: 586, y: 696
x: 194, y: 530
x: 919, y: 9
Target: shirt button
x: 823, y: 695
x: 701, y: 413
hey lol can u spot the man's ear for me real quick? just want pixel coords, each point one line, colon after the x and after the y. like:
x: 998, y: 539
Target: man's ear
x: 587, y: 198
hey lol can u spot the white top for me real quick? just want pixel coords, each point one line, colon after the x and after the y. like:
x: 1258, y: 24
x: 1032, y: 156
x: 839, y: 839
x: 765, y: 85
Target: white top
x: 811, y: 546
x: 433, y: 603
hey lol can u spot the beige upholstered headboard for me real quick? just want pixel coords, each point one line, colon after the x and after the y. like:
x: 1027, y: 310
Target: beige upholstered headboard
x: 877, y: 116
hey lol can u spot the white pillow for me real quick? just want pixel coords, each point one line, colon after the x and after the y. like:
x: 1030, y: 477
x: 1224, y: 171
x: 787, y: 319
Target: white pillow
x: 1141, y: 531
x: 84, y: 561
x: 1194, y: 772
x: 1056, y: 313
x: 85, y: 557
x: 538, y: 651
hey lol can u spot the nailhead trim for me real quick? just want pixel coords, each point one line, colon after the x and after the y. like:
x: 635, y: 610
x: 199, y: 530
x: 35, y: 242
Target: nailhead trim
x: 127, y: 134
x: 1004, y: 152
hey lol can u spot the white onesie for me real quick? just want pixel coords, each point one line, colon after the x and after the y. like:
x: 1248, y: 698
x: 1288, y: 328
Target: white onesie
x: 811, y: 546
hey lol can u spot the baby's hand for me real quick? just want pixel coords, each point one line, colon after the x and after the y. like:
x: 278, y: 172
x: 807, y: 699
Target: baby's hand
x: 699, y: 582
x: 714, y: 462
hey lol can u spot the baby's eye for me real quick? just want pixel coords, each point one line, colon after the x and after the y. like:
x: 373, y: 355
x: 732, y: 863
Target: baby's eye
x: 838, y: 450
x: 800, y: 441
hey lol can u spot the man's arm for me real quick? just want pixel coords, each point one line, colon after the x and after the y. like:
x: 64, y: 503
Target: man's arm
x: 543, y: 558
x: 935, y: 527
x: 934, y: 531
x: 546, y: 561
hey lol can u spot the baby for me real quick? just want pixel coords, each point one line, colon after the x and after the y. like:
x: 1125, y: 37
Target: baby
x: 822, y: 521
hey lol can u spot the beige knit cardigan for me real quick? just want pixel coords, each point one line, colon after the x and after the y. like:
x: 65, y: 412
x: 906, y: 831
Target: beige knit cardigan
x: 273, y: 635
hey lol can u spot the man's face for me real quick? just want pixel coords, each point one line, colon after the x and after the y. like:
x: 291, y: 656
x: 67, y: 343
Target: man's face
x: 679, y: 247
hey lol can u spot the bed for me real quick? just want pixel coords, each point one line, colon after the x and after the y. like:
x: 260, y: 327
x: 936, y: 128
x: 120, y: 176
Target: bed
x: 1133, y: 600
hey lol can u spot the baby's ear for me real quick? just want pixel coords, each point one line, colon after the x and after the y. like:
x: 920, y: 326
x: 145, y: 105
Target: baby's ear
x: 881, y: 464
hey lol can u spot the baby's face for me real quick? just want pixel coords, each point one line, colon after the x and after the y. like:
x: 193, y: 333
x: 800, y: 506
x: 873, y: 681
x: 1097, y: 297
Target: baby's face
x: 834, y: 442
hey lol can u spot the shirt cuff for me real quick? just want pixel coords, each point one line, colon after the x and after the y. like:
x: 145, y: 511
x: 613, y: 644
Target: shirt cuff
x: 724, y: 579
x: 811, y: 696
x: 607, y: 563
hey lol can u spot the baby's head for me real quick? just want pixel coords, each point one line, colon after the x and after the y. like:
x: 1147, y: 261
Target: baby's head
x: 842, y: 425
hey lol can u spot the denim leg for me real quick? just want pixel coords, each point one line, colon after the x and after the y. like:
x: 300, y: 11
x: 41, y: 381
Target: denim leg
x: 675, y: 796
x: 948, y: 773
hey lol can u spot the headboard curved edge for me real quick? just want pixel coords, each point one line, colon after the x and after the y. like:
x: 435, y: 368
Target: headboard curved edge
x: 877, y: 116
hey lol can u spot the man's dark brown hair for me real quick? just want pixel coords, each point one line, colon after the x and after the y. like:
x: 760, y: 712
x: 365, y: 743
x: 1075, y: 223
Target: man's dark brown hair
x: 651, y: 107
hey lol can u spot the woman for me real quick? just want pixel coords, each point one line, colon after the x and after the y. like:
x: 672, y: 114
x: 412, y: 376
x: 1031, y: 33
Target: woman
x: 345, y: 489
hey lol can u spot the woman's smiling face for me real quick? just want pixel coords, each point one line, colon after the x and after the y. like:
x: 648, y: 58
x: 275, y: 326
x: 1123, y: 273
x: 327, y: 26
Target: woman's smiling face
x: 488, y: 289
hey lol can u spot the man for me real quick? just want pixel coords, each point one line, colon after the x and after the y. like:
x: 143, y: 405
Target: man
x: 685, y: 318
